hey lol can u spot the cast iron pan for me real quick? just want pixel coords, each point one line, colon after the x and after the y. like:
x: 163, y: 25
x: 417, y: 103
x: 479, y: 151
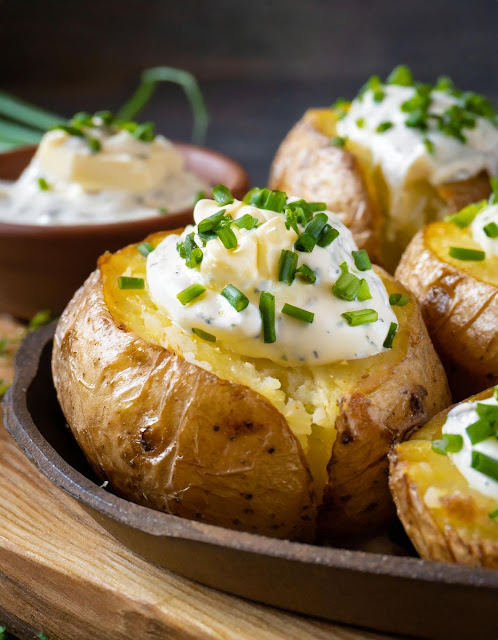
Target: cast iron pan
x: 384, y: 592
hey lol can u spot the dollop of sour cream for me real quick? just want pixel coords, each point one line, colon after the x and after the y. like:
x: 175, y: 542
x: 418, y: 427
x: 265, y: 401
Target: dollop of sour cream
x: 69, y: 183
x: 457, y: 421
x: 253, y: 267
x: 484, y: 231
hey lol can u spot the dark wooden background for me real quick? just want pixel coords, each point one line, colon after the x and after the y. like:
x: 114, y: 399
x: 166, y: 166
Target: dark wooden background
x: 260, y: 63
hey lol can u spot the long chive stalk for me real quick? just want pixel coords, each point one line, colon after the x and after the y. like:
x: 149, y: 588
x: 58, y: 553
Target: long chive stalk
x: 27, y: 113
x: 10, y: 132
x: 186, y: 80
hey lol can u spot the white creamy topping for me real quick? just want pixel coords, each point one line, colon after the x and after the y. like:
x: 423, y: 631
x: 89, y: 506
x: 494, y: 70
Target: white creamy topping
x: 485, y: 217
x: 400, y: 151
x: 252, y: 267
x: 127, y: 179
x: 459, y: 418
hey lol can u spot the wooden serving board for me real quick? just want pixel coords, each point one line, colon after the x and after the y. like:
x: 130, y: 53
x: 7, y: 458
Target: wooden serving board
x: 62, y: 574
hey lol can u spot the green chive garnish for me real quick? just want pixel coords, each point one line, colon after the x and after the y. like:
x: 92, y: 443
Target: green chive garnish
x: 491, y: 230
x: 204, y: 335
x: 267, y: 311
x: 480, y: 430
x: 384, y: 126
x: 338, y: 141
x: 360, y: 123
x: 487, y: 411
x: 493, y: 514
x: 246, y: 222
x: 306, y: 274
x: 306, y: 242
x: 94, y: 145
x: 190, y: 293
x: 189, y: 251
x: 388, y: 342
x: 43, y: 184
x: 401, y: 75
x: 125, y: 282
x: 362, y: 316
x: 493, y: 181
x: 449, y: 443
x: 235, y: 297
x: 398, y: 299
x: 266, y: 199
x: 162, y: 211
x: 363, y: 291
x: 429, y: 145
x: 222, y: 195
x: 464, y: 217
x: 209, y: 223
x: 461, y: 253
x: 328, y: 235
x: 316, y: 225
x: 287, y: 266
x: 145, y: 248
x: 485, y: 464
x: 144, y: 132
x: 347, y: 285
x: 227, y: 236
x: 200, y: 195
x: 298, y: 313
x: 361, y: 260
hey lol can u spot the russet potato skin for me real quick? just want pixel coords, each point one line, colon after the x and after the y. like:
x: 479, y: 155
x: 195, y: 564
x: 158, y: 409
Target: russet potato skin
x: 459, y: 309
x: 175, y: 437
x: 445, y: 519
x: 307, y: 164
x: 172, y: 436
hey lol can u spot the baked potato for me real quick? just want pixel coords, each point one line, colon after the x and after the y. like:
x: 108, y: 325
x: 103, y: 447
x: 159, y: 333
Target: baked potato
x: 459, y: 301
x: 445, y: 518
x: 388, y: 164
x: 181, y: 424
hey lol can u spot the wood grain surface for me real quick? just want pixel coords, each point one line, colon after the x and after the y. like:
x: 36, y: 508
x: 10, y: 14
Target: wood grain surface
x: 62, y: 574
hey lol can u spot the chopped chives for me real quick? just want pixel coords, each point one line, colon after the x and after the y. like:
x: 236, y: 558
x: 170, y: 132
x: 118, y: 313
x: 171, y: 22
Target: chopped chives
x: 401, y: 75
x: 144, y: 132
x: 491, y: 230
x: 493, y: 514
x: 126, y: 282
x: 267, y: 311
x: 190, y: 293
x: 106, y: 116
x: 189, y: 251
x: 347, y: 285
x: 145, y: 248
x: 287, y: 266
x: 227, y: 236
x: 384, y: 126
x: 266, y: 199
x: 363, y: 291
x: 449, y: 443
x: 222, y: 195
x: 298, y: 313
x: 209, y: 223
x: 495, y: 392
x: 462, y: 253
x: 43, y: 184
x: 361, y: 260
x: 338, y: 141
x: 305, y: 242
x: 200, y: 195
x: 328, y: 235
x: 485, y: 464
x: 246, y: 222
x: 204, y: 334
x: 162, y: 211
x: 466, y: 215
x: 94, y: 145
x: 429, y: 145
x: 360, y: 123
x: 235, y: 297
x: 306, y: 274
x: 487, y: 411
x: 317, y: 225
x: 493, y: 181
x: 399, y: 299
x: 361, y: 316
x: 480, y: 430
x: 388, y: 342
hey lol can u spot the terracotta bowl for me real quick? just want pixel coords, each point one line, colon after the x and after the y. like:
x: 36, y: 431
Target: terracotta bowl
x: 42, y: 266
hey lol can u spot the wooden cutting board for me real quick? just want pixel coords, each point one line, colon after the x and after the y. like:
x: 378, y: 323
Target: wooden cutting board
x: 62, y: 574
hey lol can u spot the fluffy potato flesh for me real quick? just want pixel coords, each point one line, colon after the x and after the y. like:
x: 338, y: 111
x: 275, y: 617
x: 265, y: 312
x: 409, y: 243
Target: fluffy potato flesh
x: 459, y: 301
x: 188, y: 427
x: 445, y: 518
x: 349, y: 182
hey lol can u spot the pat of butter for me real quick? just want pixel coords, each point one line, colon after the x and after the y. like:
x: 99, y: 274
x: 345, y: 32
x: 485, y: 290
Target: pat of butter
x: 123, y: 162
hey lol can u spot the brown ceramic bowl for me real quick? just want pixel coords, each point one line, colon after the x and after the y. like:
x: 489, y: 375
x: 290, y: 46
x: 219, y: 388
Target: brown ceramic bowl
x: 42, y: 266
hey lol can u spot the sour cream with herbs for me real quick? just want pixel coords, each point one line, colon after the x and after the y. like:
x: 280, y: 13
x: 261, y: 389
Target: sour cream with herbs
x: 253, y: 267
x: 459, y: 418
x: 484, y: 230
x: 69, y: 183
